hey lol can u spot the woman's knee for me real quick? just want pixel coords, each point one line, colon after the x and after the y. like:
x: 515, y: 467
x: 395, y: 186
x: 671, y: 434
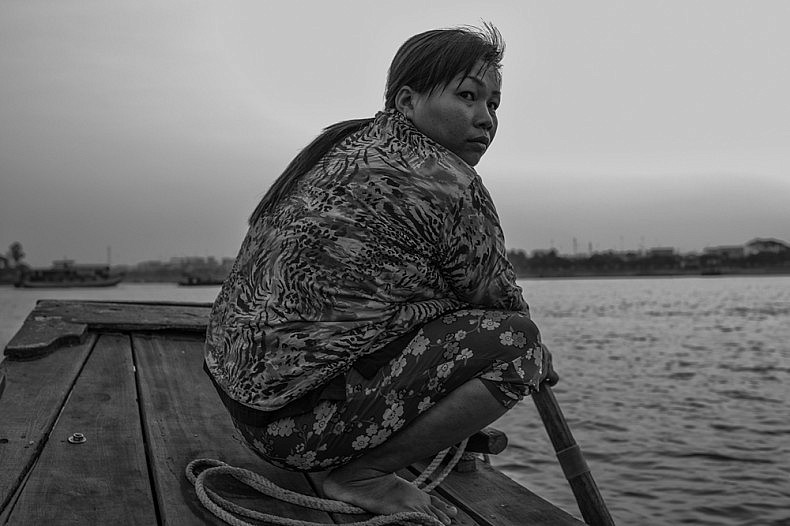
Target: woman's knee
x: 517, y: 356
x: 522, y: 325
x: 514, y: 335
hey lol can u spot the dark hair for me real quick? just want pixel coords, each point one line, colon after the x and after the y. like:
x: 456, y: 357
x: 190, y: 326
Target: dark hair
x: 425, y: 62
x: 433, y: 59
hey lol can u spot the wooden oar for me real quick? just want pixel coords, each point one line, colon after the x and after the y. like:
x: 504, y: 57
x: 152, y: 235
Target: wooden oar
x: 569, y: 454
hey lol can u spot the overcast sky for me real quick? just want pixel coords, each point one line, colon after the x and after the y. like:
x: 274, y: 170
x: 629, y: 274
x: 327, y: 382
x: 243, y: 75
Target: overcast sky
x: 153, y: 127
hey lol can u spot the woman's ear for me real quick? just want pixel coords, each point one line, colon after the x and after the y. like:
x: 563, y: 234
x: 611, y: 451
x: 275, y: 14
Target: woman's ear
x: 405, y: 101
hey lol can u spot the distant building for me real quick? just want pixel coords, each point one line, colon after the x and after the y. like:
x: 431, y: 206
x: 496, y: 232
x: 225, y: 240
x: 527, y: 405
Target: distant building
x: 661, y: 252
x: 729, y: 252
x: 765, y: 246
x: 629, y: 256
x: 150, y: 265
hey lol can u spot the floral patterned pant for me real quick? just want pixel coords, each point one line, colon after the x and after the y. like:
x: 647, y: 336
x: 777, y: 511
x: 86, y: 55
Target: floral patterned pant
x: 501, y: 348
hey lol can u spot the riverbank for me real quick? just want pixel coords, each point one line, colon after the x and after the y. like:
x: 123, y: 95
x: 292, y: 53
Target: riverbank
x: 618, y: 273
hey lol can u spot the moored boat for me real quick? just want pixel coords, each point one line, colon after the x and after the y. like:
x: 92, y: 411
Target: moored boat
x: 65, y: 273
x: 200, y: 280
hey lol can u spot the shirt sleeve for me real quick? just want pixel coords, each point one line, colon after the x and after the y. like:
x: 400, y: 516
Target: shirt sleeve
x: 474, y: 258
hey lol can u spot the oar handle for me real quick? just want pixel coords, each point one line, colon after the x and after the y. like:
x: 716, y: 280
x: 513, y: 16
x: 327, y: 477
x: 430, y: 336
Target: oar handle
x: 591, y: 504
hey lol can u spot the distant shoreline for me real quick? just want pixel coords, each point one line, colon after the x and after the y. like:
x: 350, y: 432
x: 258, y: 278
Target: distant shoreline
x: 561, y: 274
x: 782, y: 271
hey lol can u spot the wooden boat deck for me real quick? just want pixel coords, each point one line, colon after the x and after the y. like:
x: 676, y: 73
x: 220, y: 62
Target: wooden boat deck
x: 128, y: 376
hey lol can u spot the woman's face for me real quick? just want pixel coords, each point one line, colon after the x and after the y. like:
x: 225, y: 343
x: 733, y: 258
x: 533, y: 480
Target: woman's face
x: 462, y: 116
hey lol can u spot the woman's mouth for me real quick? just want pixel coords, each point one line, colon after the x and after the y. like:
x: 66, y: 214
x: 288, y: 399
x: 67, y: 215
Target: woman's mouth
x: 479, y: 143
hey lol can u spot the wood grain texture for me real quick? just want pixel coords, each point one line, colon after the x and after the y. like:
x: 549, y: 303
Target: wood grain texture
x: 53, y: 323
x: 183, y: 420
x: 41, y: 335
x: 33, y: 397
x: 492, y: 499
x: 105, y: 479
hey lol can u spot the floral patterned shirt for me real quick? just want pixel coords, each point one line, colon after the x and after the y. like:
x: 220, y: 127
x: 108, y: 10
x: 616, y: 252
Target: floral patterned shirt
x: 388, y: 231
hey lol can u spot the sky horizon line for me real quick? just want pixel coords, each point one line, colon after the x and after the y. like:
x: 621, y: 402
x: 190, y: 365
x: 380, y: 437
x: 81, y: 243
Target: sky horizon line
x: 583, y: 247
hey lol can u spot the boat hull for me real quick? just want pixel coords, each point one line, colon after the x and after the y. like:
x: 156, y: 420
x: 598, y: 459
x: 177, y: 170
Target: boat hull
x: 30, y: 284
x: 137, y: 371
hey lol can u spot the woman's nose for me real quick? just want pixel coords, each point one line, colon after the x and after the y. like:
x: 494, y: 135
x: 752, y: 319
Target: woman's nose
x: 483, y: 117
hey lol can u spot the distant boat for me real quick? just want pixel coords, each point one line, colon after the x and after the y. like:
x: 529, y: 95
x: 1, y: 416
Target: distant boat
x: 197, y: 280
x: 65, y: 273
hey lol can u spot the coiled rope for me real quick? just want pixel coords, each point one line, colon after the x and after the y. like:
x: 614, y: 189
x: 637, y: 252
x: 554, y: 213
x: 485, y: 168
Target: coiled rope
x: 224, y: 509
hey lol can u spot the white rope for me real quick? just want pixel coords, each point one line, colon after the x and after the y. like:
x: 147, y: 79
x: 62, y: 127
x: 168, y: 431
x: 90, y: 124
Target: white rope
x: 224, y: 509
x: 435, y: 463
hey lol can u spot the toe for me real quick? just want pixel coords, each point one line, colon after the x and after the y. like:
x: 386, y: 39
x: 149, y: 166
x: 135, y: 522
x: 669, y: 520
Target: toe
x: 449, y: 510
x: 442, y: 517
x: 443, y: 511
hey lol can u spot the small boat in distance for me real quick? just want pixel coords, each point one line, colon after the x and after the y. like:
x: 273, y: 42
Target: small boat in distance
x: 65, y: 273
x: 194, y: 280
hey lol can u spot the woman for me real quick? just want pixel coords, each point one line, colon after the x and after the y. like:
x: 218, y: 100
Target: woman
x: 371, y: 318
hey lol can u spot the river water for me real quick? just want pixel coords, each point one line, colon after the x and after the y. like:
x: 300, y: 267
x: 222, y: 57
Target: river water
x: 677, y: 390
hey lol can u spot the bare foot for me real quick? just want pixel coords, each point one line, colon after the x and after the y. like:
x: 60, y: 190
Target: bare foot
x: 383, y: 494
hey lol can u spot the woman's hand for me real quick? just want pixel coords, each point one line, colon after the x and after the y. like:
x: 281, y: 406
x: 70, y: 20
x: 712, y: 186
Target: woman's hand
x: 549, y: 375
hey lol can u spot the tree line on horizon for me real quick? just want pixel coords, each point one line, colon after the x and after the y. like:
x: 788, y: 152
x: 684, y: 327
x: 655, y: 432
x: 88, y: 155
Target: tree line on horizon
x: 548, y: 263
x: 540, y: 263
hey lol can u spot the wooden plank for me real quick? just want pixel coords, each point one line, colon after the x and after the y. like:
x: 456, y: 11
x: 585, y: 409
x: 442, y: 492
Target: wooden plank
x: 40, y: 336
x: 34, y: 395
x: 128, y: 315
x: 493, y: 499
x: 52, y: 321
x: 103, y: 480
x: 183, y: 419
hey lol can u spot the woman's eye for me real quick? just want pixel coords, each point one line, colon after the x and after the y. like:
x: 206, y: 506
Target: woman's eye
x: 493, y: 106
x: 467, y: 95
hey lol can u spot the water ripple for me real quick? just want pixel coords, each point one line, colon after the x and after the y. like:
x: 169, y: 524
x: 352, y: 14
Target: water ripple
x: 676, y: 391
x: 719, y: 457
x: 739, y: 394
